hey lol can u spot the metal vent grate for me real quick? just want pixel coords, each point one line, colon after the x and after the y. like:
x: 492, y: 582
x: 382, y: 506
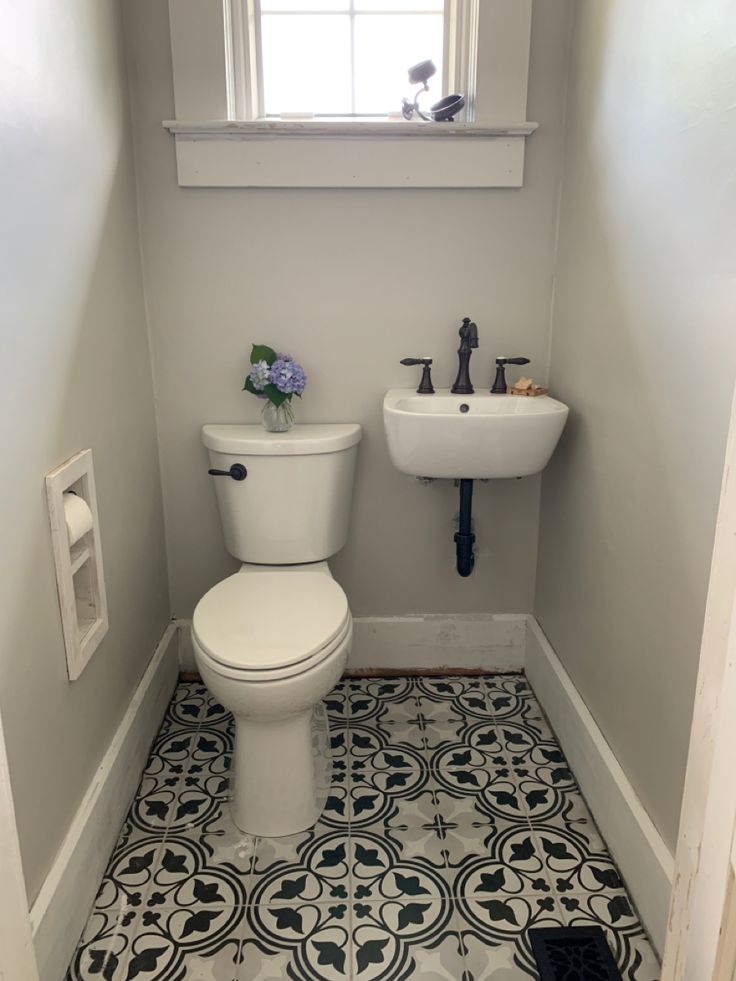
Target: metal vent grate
x: 573, y: 954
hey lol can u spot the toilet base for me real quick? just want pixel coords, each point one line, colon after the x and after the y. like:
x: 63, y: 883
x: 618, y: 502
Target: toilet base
x: 281, y: 770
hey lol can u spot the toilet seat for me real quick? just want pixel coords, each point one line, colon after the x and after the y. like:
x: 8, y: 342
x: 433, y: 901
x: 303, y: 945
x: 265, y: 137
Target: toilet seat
x: 263, y: 627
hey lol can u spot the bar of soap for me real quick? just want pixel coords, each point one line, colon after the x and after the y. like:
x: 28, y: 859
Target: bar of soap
x: 523, y: 384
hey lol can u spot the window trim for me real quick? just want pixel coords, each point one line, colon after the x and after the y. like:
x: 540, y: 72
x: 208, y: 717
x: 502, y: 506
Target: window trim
x: 220, y: 141
x: 244, y: 33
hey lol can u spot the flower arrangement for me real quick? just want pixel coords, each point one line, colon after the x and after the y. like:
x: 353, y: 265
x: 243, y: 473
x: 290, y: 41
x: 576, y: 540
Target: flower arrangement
x: 275, y: 378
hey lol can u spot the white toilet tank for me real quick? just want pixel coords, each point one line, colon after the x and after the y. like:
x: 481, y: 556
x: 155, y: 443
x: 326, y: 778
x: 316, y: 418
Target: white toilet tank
x: 294, y: 504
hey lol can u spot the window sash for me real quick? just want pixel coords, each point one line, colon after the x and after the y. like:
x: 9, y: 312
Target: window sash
x: 245, y: 71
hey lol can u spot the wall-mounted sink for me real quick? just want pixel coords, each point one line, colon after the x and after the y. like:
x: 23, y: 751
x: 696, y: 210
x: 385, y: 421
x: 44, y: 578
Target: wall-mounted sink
x: 471, y: 436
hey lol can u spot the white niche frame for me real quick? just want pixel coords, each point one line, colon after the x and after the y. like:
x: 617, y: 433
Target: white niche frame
x: 79, y: 572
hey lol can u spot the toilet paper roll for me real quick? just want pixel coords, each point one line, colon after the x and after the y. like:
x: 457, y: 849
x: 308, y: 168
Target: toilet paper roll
x: 78, y: 517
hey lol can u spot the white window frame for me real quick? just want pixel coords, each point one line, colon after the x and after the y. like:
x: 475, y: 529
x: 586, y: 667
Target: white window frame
x: 246, y: 97
x: 222, y: 141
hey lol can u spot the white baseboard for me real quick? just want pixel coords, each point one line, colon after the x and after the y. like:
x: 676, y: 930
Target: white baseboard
x: 489, y: 642
x: 637, y: 847
x: 60, y: 912
x: 186, y: 651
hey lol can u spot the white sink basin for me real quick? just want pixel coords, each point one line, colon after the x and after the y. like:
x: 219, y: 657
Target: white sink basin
x: 495, y: 436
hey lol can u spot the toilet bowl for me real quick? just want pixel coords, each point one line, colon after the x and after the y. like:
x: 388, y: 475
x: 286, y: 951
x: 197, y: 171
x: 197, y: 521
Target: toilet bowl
x: 270, y: 645
x: 271, y: 640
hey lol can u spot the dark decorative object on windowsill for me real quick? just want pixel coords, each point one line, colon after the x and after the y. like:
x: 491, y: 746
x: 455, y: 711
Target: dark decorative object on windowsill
x: 443, y: 111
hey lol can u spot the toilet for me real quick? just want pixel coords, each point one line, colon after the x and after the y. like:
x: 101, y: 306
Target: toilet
x: 271, y: 640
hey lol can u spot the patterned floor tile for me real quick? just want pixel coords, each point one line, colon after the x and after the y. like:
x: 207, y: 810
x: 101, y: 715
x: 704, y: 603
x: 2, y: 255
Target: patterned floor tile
x: 336, y: 704
x: 494, y: 934
x: 395, y: 940
x: 570, y: 866
x: 453, y: 824
x: 614, y: 913
x: 303, y: 941
x: 185, y: 875
x: 386, y: 864
x: 502, y: 858
x: 172, y: 944
x: 397, y: 798
x: 220, y: 842
x: 312, y: 866
x: 128, y: 878
x: 104, y: 947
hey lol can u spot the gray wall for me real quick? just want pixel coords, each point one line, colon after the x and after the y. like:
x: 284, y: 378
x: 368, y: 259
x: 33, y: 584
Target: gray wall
x: 349, y: 282
x: 74, y: 372
x: 644, y: 351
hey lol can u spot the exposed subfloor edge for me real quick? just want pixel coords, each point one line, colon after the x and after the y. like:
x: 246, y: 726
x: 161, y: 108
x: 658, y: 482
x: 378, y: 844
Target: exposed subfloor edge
x: 646, y: 863
x: 423, y: 643
x: 62, y: 906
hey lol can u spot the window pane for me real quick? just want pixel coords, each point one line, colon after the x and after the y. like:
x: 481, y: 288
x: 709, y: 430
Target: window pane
x: 306, y: 63
x: 306, y: 5
x: 399, y: 5
x: 385, y: 48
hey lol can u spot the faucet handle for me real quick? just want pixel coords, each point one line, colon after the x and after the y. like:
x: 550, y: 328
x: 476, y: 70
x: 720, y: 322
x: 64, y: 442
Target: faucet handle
x: 425, y: 385
x: 512, y: 360
x: 499, y: 382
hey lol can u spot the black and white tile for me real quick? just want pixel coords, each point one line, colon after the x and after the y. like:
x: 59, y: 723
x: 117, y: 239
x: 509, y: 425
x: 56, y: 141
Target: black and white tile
x: 453, y: 825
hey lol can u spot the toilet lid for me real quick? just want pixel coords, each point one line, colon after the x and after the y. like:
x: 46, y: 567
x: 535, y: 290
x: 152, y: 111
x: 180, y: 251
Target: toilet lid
x: 271, y: 619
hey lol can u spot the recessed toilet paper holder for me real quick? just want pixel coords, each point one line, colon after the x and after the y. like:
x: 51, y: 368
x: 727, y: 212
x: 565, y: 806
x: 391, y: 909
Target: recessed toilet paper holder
x: 75, y: 536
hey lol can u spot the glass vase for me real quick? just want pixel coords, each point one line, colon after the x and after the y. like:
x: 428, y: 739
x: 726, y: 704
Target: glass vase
x: 277, y: 418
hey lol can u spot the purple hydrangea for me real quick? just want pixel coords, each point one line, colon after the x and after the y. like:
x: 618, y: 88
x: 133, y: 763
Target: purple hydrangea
x: 259, y: 375
x: 287, y: 375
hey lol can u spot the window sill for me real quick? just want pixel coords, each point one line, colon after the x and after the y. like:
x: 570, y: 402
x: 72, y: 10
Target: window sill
x: 330, y: 153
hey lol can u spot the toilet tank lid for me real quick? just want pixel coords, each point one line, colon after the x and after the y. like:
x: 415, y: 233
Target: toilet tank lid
x: 299, y: 441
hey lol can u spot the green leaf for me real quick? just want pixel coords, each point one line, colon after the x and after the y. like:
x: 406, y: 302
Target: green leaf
x: 274, y: 395
x: 262, y: 352
x: 250, y: 387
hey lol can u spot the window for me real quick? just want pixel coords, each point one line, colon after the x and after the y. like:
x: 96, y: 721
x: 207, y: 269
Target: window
x: 246, y: 73
x: 345, y: 57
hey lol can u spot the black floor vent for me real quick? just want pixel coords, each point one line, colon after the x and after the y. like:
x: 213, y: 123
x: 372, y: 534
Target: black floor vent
x: 573, y: 954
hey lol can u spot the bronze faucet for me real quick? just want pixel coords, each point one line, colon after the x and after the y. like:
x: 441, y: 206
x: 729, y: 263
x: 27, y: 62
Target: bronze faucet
x: 468, y: 342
